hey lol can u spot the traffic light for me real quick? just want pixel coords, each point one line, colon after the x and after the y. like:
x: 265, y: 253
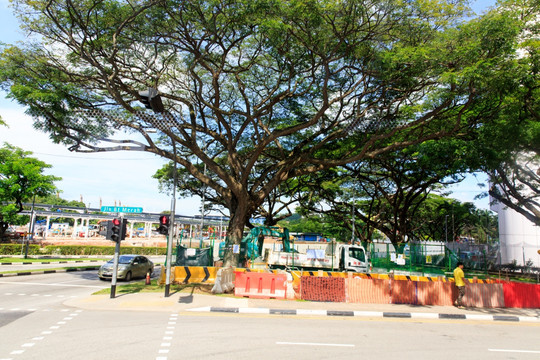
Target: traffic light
x: 164, y: 222
x: 152, y: 100
x: 116, y: 230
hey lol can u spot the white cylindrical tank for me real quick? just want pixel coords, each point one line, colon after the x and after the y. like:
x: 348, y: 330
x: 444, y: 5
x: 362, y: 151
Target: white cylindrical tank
x: 519, y: 237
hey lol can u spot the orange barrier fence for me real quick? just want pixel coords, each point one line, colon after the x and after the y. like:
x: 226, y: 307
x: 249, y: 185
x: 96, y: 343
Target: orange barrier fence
x: 260, y: 285
x: 367, y: 291
x: 403, y: 292
x: 483, y: 295
x: 434, y: 293
x: 378, y: 291
x: 316, y: 288
x: 520, y: 295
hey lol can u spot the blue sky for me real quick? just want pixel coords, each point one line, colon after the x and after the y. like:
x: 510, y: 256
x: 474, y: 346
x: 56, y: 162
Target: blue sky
x: 123, y: 177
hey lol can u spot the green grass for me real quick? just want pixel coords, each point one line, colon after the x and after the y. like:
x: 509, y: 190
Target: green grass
x: 140, y: 287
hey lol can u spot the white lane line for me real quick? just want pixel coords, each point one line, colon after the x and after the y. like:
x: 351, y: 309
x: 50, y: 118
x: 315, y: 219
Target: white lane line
x: 515, y: 351
x: 53, y: 284
x: 313, y: 344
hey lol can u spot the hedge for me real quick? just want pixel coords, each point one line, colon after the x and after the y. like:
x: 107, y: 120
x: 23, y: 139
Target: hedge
x: 17, y: 249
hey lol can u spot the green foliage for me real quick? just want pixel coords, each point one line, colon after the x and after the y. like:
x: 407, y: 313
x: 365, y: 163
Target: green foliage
x: 101, y: 250
x: 15, y: 249
x: 21, y: 178
x: 262, y: 92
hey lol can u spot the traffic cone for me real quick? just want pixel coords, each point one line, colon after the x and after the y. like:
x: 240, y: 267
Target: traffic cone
x: 147, y: 279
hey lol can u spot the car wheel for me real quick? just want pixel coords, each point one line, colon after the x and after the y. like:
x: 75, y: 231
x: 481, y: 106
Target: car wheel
x: 150, y: 271
x: 128, y: 276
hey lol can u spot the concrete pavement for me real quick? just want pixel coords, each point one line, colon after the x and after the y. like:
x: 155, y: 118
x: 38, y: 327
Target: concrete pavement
x: 191, y: 302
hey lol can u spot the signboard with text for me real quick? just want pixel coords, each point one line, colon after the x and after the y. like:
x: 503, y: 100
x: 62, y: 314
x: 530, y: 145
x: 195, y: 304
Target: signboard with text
x: 121, y: 209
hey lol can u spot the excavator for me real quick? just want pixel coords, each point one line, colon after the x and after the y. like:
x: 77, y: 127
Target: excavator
x: 252, y: 244
x: 340, y: 257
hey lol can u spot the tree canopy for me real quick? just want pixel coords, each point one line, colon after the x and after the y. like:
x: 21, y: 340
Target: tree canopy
x: 21, y: 178
x: 260, y: 91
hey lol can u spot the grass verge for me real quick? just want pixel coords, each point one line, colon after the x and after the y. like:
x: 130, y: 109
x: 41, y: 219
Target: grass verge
x: 141, y: 287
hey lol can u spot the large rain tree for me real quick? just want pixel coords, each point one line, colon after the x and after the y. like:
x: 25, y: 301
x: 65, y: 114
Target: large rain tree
x: 260, y: 91
x: 510, y: 145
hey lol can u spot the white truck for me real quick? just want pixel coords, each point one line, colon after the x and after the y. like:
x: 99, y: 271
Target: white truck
x: 336, y: 257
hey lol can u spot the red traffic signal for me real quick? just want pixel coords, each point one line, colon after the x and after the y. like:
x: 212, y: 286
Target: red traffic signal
x: 116, y: 229
x: 164, y: 222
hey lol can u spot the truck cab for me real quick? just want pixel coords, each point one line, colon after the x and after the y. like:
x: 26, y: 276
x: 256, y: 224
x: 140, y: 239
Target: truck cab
x: 353, y: 258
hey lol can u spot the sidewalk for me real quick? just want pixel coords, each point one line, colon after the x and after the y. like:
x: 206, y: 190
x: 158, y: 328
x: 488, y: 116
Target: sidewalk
x: 186, y: 302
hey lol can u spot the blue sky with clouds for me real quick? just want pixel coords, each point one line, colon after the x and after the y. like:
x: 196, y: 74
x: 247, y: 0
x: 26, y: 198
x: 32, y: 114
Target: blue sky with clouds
x: 122, y: 177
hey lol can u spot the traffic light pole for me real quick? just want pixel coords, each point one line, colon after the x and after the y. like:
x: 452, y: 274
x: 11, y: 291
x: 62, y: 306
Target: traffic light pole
x: 115, y: 264
x: 170, y: 237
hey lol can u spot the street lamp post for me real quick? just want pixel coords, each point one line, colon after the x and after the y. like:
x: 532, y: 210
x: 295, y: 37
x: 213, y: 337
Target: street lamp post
x: 446, y: 226
x: 171, y: 227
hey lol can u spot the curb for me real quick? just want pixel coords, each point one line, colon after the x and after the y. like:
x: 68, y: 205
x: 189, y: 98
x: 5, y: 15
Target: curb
x: 267, y: 311
x: 26, y: 273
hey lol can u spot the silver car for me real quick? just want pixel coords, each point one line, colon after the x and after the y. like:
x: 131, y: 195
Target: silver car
x: 129, y: 267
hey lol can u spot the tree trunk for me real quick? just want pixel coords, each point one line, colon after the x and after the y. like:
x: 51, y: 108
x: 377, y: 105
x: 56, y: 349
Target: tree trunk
x: 235, y: 232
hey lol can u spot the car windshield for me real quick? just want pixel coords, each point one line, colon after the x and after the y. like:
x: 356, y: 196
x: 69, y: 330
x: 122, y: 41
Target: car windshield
x: 123, y: 259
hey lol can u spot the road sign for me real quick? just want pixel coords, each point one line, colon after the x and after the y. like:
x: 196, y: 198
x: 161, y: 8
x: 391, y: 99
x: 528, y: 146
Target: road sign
x: 121, y: 209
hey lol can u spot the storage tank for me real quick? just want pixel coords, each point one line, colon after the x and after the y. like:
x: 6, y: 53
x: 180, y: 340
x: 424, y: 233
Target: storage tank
x: 519, y: 237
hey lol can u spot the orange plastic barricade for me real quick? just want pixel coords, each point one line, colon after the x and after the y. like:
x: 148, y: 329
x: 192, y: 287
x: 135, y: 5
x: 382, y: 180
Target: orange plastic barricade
x: 260, y: 285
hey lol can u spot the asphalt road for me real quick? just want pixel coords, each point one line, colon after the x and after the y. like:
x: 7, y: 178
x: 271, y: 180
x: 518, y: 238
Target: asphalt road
x: 35, y: 323
x: 17, y: 266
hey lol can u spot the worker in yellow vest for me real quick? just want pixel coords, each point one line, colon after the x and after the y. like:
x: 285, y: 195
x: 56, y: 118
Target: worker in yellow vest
x: 459, y: 277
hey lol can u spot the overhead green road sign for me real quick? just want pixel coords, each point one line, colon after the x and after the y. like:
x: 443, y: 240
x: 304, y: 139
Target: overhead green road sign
x: 121, y: 209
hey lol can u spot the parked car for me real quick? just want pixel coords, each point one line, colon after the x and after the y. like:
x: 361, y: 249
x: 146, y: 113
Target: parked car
x: 129, y: 267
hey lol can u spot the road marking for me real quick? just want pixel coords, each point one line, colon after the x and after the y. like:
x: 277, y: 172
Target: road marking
x: 53, y: 284
x: 313, y: 344
x: 516, y: 351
